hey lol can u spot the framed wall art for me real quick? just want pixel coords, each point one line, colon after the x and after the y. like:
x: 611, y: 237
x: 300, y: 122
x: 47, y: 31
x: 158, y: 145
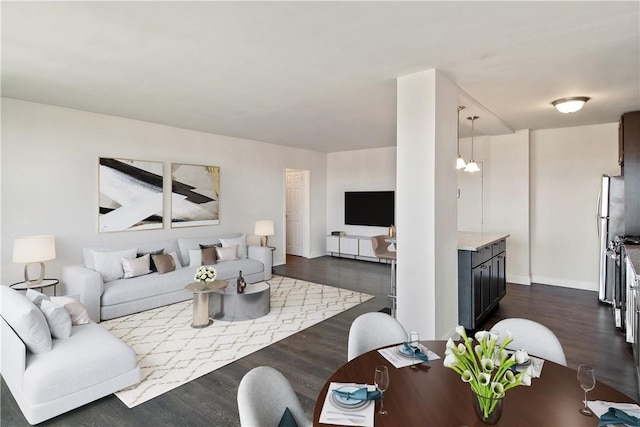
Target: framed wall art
x: 130, y: 195
x: 195, y: 195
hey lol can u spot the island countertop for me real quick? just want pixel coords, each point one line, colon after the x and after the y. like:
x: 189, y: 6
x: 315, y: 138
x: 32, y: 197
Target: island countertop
x: 470, y: 241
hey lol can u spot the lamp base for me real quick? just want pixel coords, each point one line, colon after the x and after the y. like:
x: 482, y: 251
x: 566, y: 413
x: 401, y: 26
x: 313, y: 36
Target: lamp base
x: 26, y: 274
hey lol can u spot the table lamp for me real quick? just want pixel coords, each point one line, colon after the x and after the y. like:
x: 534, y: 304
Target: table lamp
x: 264, y: 228
x: 31, y: 250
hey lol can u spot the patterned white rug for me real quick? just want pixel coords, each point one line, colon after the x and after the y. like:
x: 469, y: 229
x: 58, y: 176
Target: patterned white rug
x: 171, y: 353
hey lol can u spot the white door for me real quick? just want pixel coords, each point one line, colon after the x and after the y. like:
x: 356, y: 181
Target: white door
x: 295, y: 211
x: 470, y: 203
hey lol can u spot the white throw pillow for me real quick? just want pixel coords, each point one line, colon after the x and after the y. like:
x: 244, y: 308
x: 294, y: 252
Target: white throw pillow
x: 58, y: 319
x: 36, y: 297
x: 195, y: 257
x: 227, y: 253
x: 241, y: 242
x: 109, y: 264
x: 76, y: 310
x: 25, y: 319
x: 136, y: 266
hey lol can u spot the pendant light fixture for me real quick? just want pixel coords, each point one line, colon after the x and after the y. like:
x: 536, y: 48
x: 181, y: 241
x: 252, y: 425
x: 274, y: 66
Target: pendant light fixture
x: 460, y: 164
x: 472, y: 166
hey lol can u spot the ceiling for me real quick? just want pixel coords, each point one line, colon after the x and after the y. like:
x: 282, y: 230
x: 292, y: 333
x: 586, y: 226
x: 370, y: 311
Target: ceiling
x: 322, y: 75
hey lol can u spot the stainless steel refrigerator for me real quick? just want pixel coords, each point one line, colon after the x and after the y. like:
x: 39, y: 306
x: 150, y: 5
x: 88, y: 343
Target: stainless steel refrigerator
x: 610, y: 219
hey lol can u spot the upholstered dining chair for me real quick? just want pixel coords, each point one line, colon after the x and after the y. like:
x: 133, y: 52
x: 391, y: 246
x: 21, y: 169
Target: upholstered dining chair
x: 263, y: 396
x: 535, y: 338
x: 381, y: 251
x: 373, y: 330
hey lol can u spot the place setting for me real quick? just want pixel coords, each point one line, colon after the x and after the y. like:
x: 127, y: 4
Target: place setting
x: 411, y: 353
x: 352, y: 404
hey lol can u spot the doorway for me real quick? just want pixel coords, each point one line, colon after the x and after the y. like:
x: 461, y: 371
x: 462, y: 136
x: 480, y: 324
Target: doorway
x: 297, y: 212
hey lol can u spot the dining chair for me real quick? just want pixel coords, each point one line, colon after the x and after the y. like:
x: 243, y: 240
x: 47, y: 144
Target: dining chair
x: 263, y: 396
x: 535, y: 338
x: 373, y: 330
x: 381, y: 251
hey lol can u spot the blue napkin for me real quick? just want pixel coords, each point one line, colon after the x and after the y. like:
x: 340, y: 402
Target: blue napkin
x: 419, y: 354
x: 616, y: 416
x: 360, y: 394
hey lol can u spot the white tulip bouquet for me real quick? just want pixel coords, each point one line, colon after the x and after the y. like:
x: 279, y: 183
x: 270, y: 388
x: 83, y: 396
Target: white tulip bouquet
x: 486, y: 368
x: 205, y: 274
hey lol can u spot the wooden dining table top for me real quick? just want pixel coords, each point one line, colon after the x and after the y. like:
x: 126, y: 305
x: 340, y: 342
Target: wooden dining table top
x: 436, y: 396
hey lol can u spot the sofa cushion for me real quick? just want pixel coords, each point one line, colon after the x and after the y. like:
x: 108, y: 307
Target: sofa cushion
x: 36, y: 297
x: 137, y: 266
x: 240, y: 241
x: 127, y: 290
x: 228, y: 253
x: 25, y: 319
x: 76, y: 310
x: 195, y: 242
x: 96, y: 356
x: 109, y: 264
x: 58, y: 319
x: 166, y: 262
x: 152, y: 265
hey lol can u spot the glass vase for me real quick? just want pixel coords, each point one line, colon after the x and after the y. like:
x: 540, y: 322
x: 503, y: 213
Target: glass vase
x: 488, y: 409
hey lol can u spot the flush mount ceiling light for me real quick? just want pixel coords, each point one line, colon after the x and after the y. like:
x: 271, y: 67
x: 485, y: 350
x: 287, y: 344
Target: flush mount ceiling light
x: 472, y: 166
x: 570, y: 104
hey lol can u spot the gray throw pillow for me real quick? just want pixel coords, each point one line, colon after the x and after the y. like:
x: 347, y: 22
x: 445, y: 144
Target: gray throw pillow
x: 58, y: 319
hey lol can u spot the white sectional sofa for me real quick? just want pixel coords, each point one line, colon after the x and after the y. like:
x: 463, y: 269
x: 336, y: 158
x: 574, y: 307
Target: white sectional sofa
x: 108, y: 299
x: 49, y: 376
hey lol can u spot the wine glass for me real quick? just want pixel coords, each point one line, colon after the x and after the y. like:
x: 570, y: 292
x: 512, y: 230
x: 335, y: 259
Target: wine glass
x: 381, y: 381
x: 587, y: 379
x: 414, y: 342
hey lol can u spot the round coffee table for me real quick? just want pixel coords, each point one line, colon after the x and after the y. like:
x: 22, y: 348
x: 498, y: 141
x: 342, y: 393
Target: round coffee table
x: 227, y: 304
x: 201, y: 292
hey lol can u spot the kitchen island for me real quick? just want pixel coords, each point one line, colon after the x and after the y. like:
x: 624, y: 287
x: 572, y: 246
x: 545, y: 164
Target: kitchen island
x: 481, y: 276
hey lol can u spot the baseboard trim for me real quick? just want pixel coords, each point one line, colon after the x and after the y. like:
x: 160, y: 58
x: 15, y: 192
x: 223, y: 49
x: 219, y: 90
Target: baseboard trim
x: 565, y: 283
x: 518, y: 280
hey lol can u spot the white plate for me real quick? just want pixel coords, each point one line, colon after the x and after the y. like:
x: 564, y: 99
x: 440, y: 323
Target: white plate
x: 344, y: 403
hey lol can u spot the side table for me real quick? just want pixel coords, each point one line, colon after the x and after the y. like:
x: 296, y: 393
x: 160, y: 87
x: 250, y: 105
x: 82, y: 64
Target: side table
x: 23, y: 286
x: 273, y: 270
x: 201, y: 293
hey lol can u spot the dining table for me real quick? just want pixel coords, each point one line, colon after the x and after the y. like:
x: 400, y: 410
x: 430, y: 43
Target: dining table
x: 434, y: 395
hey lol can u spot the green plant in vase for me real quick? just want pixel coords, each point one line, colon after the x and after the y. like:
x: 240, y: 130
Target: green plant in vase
x: 488, y: 369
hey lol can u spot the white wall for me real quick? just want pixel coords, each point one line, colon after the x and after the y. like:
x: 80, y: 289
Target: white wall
x: 566, y: 166
x: 507, y: 200
x: 360, y: 170
x: 49, y: 179
x: 541, y: 187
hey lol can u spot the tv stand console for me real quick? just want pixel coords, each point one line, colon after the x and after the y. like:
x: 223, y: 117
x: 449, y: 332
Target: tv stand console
x: 351, y: 246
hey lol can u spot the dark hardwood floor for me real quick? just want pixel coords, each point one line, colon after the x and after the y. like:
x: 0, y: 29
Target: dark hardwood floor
x: 583, y: 325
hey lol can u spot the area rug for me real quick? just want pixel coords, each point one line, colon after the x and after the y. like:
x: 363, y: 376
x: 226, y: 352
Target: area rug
x: 171, y: 353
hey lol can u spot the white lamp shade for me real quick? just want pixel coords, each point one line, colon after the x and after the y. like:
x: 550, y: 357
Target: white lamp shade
x: 472, y: 167
x: 264, y: 228
x: 460, y: 164
x: 34, y: 249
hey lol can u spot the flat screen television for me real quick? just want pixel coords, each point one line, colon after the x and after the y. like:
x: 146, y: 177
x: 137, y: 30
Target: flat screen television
x: 374, y: 208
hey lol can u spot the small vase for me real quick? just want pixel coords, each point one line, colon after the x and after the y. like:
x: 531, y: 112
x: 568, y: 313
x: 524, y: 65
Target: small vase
x: 488, y: 409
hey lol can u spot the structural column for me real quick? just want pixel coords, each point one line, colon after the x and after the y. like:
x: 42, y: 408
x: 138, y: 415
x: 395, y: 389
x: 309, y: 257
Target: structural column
x: 426, y: 204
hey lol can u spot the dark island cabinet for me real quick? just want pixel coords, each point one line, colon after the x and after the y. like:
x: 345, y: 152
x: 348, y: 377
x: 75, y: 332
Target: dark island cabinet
x: 481, y: 282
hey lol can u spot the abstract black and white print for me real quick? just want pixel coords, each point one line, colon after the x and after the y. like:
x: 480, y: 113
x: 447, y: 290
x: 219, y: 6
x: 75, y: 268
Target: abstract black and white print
x: 195, y: 195
x: 131, y: 194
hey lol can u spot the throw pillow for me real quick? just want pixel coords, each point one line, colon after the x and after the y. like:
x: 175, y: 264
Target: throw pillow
x: 167, y: 262
x: 25, y: 319
x: 208, y: 256
x: 287, y: 419
x: 76, y: 310
x: 36, y: 297
x: 58, y: 319
x: 136, y: 267
x: 241, y: 242
x: 109, y: 264
x: 227, y: 254
x: 195, y: 257
x: 152, y: 265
